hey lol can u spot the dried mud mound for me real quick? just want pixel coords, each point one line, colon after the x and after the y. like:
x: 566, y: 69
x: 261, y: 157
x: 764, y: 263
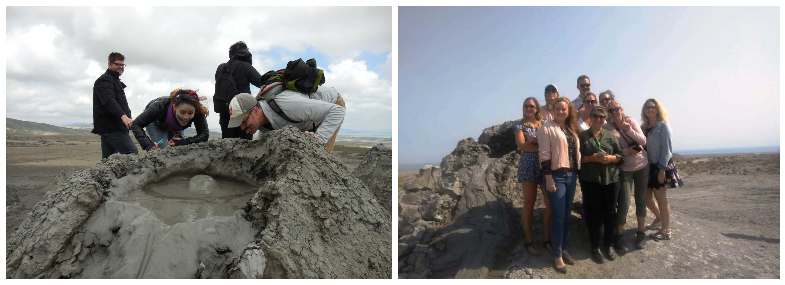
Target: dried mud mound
x: 456, y: 218
x: 376, y: 172
x: 310, y: 218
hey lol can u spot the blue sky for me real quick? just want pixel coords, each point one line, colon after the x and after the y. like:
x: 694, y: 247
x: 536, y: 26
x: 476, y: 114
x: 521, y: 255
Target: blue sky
x: 462, y: 69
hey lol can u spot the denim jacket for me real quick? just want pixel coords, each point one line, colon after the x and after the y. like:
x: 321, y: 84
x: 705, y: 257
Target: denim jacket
x: 658, y: 145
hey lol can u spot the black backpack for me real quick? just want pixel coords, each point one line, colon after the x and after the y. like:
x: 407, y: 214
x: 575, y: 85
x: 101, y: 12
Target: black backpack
x: 225, y: 87
x: 298, y: 76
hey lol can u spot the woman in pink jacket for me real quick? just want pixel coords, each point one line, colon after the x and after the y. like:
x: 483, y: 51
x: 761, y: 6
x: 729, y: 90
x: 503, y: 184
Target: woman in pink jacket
x: 634, y: 173
x: 560, y: 160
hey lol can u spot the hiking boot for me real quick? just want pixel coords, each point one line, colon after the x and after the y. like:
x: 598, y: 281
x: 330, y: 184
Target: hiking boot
x: 619, y: 245
x: 640, y: 240
x: 609, y: 253
x: 597, y: 256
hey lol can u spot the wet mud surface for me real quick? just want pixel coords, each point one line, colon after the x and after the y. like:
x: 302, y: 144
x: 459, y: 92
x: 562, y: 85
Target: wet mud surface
x: 306, y: 217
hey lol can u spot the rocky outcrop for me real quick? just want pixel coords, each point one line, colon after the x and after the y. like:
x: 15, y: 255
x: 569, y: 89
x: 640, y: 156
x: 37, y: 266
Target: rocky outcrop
x: 310, y: 218
x: 375, y: 171
x: 455, y: 219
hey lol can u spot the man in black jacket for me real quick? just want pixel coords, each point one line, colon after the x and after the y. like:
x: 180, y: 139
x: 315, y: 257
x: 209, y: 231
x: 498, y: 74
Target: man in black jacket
x: 244, y: 74
x: 111, y: 114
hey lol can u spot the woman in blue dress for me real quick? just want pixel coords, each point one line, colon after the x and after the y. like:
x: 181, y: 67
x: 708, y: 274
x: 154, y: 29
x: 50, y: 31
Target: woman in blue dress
x: 530, y: 174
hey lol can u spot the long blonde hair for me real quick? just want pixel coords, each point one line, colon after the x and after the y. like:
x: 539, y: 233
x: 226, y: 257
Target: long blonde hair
x: 571, y: 122
x: 662, y: 114
x: 537, y: 115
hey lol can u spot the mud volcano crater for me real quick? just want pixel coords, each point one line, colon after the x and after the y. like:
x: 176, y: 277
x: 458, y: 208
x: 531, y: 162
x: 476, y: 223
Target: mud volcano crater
x: 300, y: 215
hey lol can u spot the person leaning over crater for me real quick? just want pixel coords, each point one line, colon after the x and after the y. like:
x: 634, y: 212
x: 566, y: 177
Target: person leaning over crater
x: 321, y: 116
x: 111, y: 114
x: 165, y: 118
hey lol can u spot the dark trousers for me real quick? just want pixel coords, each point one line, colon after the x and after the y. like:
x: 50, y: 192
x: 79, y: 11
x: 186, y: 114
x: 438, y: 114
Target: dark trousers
x: 599, y: 202
x: 115, y: 142
x: 227, y: 132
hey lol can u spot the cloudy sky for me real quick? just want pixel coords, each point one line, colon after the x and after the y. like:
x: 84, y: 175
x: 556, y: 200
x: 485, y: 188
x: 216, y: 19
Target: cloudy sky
x: 715, y: 69
x: 55, y: 54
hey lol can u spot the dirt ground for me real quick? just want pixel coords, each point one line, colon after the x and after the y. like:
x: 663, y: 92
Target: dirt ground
x: 32, y: 161
x: 725, y: 226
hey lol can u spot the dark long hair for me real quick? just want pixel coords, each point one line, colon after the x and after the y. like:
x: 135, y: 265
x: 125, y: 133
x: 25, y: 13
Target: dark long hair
x: 188, y: 96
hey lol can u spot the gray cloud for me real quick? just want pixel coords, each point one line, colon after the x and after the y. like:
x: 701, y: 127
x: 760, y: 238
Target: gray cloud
x: 54, y: 54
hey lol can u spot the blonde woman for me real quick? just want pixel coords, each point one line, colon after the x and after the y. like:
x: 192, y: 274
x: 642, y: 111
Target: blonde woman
x: 658, y: 145
x: 634, y: 173
x: 551, y: 93
x: 560, y: 160
x: 530, y: 174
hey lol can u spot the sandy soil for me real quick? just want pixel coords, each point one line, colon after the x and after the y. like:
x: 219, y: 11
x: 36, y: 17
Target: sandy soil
x: 32, y: 161
x: 725, y: 225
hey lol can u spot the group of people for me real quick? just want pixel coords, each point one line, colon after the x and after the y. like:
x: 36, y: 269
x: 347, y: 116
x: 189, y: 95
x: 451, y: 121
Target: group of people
x: 163, y: 121
x: 590, y: 141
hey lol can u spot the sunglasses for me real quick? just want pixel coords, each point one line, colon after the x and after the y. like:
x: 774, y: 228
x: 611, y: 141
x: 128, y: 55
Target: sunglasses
x: 597, y: 116
x: 591, y: 102
x: 584, y: 85
x: 529, y: 106
x: 650, y: 107
x: 120, y: 65
x: 605, y: 99
x: 614, y: 110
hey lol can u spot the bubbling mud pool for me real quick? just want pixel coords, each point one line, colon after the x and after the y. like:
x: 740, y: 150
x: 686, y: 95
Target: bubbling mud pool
x: 187, y: 198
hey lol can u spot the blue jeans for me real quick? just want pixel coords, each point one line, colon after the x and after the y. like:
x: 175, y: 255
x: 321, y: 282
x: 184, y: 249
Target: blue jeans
x: 115, y: 142
x: 561, y: 209
x: 156, y: 134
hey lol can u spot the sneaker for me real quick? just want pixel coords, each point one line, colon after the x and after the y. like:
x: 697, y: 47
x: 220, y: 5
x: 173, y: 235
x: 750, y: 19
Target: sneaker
x: 609, y: 253
x: 597, y: 256
x: 640, y: 240
x: 619, y: 245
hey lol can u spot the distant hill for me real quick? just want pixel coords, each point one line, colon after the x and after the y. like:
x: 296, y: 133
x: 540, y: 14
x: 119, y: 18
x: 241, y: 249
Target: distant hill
x: 19, y: 127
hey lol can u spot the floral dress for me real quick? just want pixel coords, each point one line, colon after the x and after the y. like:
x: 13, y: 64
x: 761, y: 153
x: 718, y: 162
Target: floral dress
x: 529, y: 166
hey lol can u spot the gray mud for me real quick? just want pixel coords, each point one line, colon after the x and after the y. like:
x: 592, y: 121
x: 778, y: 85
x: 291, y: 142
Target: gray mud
x: 309, y: 218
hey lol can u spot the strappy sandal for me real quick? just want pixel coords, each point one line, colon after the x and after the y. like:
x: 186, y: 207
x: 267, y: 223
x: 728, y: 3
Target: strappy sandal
x: 662, y: 235
x: 531, y: 249
x: 655, y: 224
x: 547, y: 245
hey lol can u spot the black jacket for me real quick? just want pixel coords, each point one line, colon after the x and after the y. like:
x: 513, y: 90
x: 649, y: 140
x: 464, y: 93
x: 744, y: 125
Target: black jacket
x: 156, y: 112
x: 244, y: 74
x: 109, y: 104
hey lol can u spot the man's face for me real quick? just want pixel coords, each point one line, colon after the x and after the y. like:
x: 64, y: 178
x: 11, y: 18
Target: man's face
x: 118, y: 66
x: 584, y: 86
x: 250, y: 123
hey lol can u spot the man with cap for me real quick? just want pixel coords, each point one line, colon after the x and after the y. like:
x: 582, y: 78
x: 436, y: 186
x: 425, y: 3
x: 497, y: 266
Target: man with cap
x: 321, y: 115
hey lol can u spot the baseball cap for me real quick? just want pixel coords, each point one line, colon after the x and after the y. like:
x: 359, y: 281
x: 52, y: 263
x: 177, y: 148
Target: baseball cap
x: 240, y: 105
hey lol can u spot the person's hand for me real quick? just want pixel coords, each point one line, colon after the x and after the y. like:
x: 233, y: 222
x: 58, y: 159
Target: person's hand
x: 605, y: 159
x: 314, y: 135
x: 171, y: 142
x: 625, y: 126
x: 550, y: 186
x: 155, y: 146
x: 127, y: 121
x: 661, y: 176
